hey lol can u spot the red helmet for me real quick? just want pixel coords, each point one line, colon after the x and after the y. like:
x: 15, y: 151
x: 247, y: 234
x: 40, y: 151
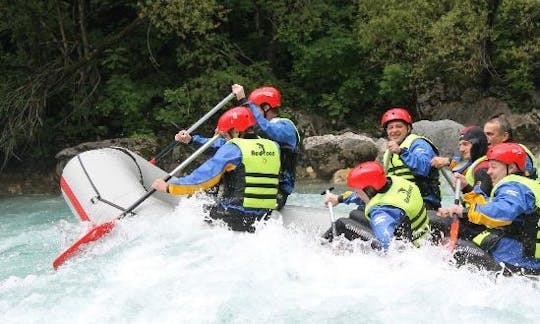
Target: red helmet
x: 268, y: 95
x: 367, y: 174
x: 508, y: 153
x: 240, y: 118
x: 396, y: 114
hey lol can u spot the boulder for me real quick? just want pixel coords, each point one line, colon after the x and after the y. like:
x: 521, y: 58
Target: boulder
x: 526, y: 127
x: 471, y: 107
x: 443, y: 133
x: 328, y: 153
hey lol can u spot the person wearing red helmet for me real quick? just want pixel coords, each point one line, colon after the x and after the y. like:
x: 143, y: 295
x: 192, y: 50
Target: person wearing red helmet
x: 264, y: 103
x: 247, y: 168
x: 409, y: 155
x: 394, y: 207
x: 510, y: 215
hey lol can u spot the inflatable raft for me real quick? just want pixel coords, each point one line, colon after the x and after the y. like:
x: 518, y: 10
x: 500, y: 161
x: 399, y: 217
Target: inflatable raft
x: 356, y: 226
x: 100, y: 184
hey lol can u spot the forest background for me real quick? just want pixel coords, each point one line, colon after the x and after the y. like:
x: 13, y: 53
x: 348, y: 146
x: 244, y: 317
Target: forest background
x: 86, y: 70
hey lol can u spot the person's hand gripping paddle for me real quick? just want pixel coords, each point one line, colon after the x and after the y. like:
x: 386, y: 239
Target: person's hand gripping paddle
x: 331, y: 211
x: 193, y: 127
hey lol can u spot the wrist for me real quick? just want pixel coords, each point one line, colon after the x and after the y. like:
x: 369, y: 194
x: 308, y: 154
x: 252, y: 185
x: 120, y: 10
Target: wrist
x: 242, y: 101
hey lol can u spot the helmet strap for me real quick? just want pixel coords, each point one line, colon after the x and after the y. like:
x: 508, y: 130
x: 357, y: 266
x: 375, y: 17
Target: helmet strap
x: 266, y: 110
x: 370, y: 192
x: 387, y: 185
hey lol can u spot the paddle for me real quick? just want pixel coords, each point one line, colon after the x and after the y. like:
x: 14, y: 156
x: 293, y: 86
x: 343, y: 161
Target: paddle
x: 101, y: 230
x: 448, y: 178
x: 193, y: 127
x: 454, y: 226
x: 331, y: 211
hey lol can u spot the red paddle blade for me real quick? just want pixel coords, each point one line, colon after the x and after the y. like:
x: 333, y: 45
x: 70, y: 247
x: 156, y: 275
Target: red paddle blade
x: 454, y: 229
x: 93, y: 235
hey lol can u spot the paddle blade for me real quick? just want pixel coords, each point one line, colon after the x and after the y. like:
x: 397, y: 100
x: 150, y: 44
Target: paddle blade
x: 93, y: 235
x: 454, y: 229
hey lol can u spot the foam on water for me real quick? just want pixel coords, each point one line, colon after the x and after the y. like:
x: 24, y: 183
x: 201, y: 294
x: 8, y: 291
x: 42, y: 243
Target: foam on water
x: 176, y: 268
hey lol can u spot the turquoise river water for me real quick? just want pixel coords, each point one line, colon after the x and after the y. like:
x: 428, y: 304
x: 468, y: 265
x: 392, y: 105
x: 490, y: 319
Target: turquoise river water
x: 176, y: 269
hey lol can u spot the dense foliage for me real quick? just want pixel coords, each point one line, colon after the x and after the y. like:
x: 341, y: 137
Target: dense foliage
x: 80, y: 70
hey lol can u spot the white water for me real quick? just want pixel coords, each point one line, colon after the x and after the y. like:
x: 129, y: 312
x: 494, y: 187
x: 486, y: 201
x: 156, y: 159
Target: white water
x: 176, y: 269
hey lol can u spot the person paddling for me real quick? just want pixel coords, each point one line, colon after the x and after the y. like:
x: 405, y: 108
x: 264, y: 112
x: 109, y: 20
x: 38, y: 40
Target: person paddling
x: 471, y: 169
x: 246, y: 166
x: 394, y: 207
x: 510, y: 216
x: 409, y: 155
x: 264, y: 103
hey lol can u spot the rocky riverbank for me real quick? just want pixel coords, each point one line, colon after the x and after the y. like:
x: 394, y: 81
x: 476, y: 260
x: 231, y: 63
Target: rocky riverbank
x: 324, y: 157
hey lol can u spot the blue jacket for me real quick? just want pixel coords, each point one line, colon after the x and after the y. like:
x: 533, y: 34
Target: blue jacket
x: 199, y: 140
x: 383, y: 219
x: 209, y: 174
x: 510, y: 202
x: 282, y: 131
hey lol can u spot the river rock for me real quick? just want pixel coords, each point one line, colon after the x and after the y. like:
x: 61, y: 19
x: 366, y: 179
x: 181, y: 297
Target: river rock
x: 328, y: 153
x: 443, y: 133
x: 526, y: 127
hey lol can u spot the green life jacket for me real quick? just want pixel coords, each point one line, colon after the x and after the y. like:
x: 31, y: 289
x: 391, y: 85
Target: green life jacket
x: 254, y: 184
x: 469, y: 173
x: 427, y: 185
x: 527, y: 232
x: 405, y: 195
x: 534, y: 174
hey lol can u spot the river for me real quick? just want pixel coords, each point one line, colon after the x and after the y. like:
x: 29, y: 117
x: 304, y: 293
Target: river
x: 174, y: 268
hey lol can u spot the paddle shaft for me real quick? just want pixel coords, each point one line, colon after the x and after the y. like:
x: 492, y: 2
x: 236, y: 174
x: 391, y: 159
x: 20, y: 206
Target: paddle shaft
x: 456, y: 192
x: 181, y: 166
x: 193, y: 127
x: 448, y: 179
x: 454, y: 226
x: 332, y: 219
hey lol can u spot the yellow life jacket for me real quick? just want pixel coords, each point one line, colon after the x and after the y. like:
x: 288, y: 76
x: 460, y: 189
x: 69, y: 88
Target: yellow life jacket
x: 405, y: 195
x: 255, y: 183
x: 469, y: 173
x: 427, y: 185
x: 534, y: 174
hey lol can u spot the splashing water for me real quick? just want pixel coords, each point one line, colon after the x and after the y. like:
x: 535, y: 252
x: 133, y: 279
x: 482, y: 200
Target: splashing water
x: 176, y: 268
